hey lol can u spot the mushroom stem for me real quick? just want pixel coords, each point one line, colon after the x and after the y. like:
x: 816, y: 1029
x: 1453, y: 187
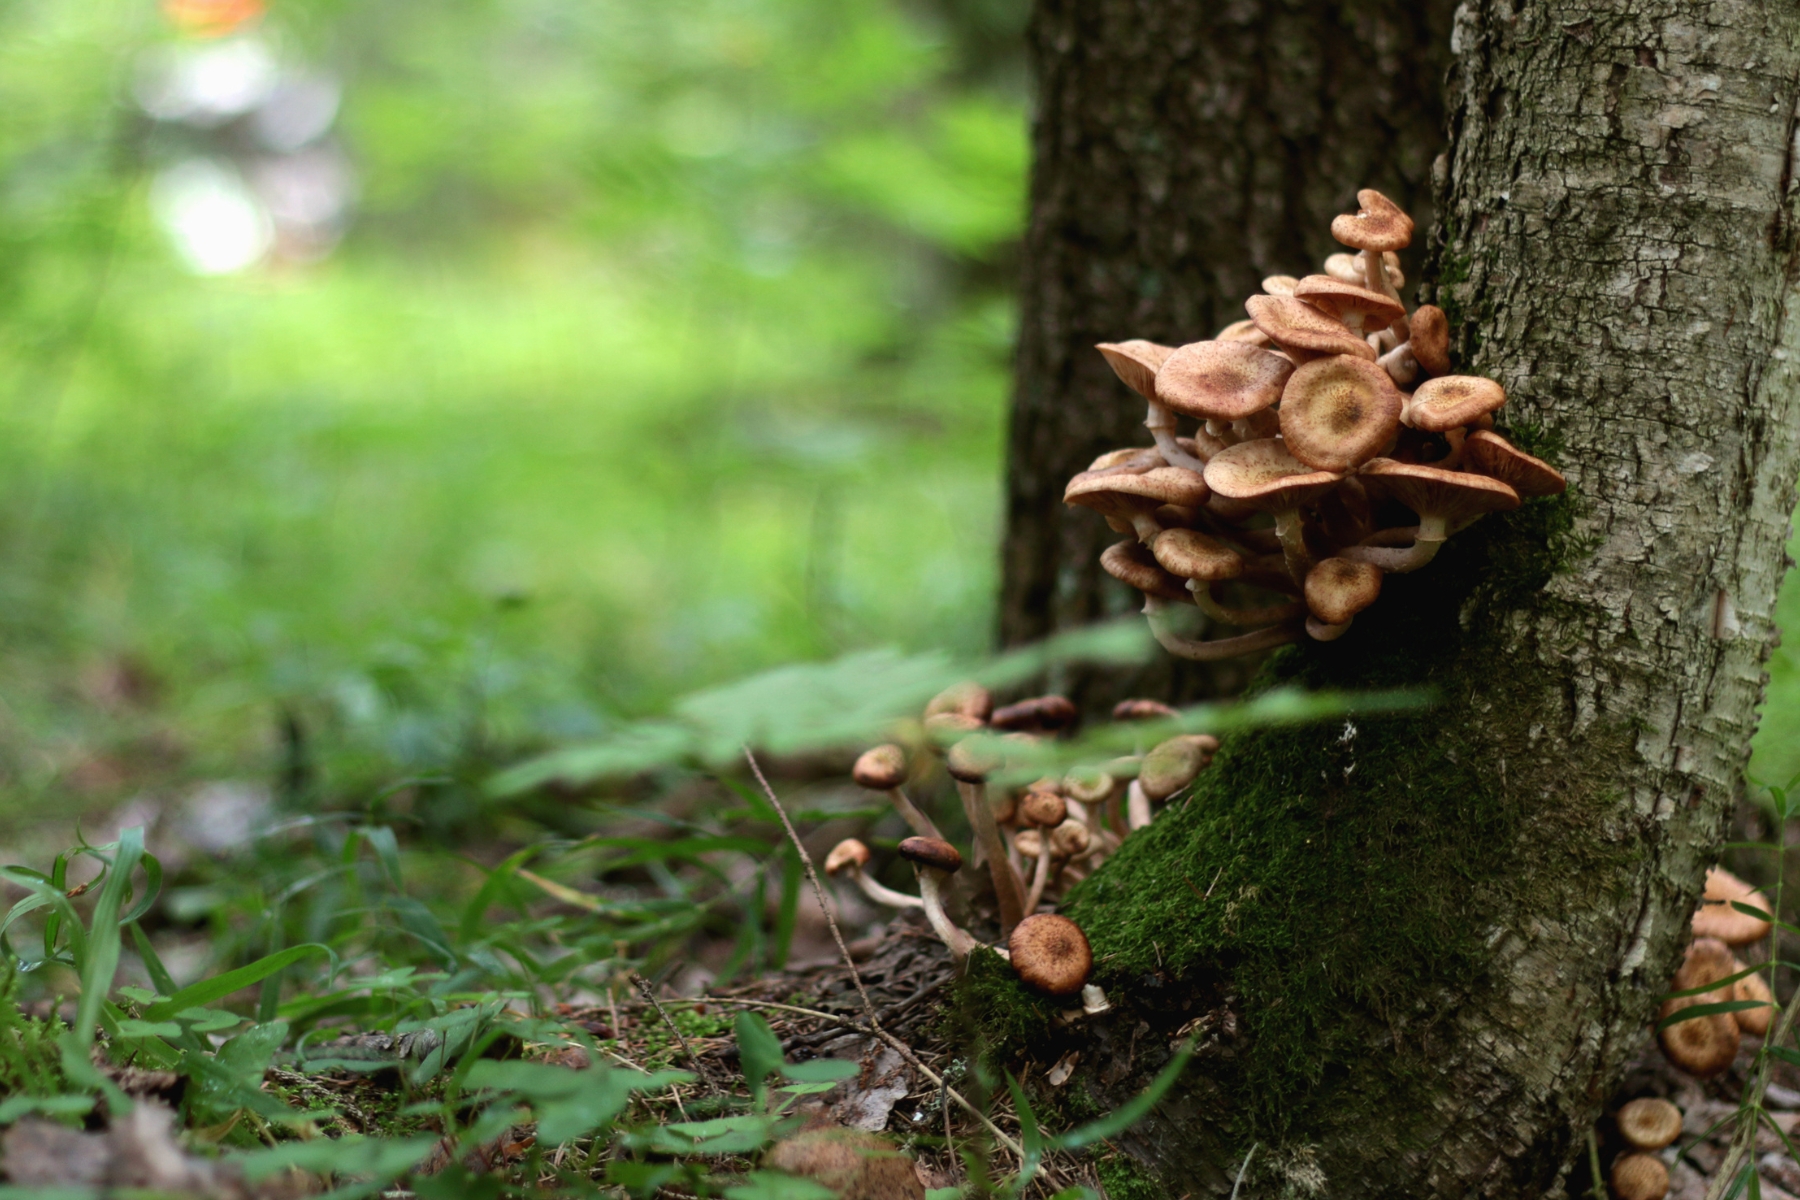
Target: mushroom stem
x: 1137, y: 806
x: 1267, y: 614
x: 880, y: 893
x: 1400, y: 364
x: 915, y: 820
x: 1453, y: 460
x: 1290, y: 529
x: 1428, y: 539
x: 932, y: 897
x: 1146, y: 526
x: 1156, y: 609
x: 1375, y: 273
x: 1319, y: 631
x: 1040, y: 876
x: 1160, y: 421
x: 1009, y: 889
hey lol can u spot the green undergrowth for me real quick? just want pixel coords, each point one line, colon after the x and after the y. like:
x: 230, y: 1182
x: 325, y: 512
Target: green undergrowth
x: 1344, y: 876
x: 1009, y: 1017
x: 30, y: 1062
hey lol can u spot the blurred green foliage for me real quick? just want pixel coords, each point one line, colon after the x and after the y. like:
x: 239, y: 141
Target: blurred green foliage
x: 668, y: 342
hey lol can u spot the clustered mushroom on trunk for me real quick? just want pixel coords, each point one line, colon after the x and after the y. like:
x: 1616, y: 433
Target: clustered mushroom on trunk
x: 1028, y: 845
x: 1332, y: 446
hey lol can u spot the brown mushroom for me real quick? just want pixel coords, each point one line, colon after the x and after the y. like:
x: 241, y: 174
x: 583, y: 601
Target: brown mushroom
x: 1302, y: 331
x: 1362, y: 311
x: 1143, y: 710
x: 1243, y: 331
x: 970, y: 762
x: 1336, y: 590
x: 1378, y: 226
x: 967, y: 698
x: 1173, y: 764
x: 935, y: 861
x: 1701, y: 1046
x: 1338, y: 413
x: 1497, y: 458
x: 1649, y: 1123
x: 1222, y: 381
x: 1136, y: 363
x: 1639, y: 1177
x: 1203, y: 561
x: 1279, y: 285
x: 1444, y: 500
x: 883, y: 769
x: 1039, y: 714
x: 1431, y: 339
x: 852, y: 856
x: 1134, y: 498
x: 1051, y: 954
x: 1451, y: 401
x: 1131, y: 563
x: 1753, y: 988
x: 1718, y: 919
x: 1263, y: 474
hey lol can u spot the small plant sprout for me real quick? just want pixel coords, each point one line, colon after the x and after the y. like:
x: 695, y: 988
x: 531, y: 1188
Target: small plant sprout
x: 1331, y: 410
x: 1051, y: 954
x: 850, y: 857
x: 883, y: 769
x: 936, y: 861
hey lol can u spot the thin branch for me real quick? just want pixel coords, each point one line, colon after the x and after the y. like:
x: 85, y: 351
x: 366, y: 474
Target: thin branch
x: 650, y: 995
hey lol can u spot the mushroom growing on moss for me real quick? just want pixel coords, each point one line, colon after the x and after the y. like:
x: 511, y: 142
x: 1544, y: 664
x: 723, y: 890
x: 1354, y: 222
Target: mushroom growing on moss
x: 1050, y: 953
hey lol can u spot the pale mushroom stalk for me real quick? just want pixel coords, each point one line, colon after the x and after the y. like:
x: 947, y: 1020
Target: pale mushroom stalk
x: 915, y: 820
x: 880, y: 893
x: 1160, y: 421
x: 1319, y: 631
x: 1400, y: 364
x: 1137, y: 807
x: 1267, y: 614
x: 1009, y: 889
x: 1428, y: 538
x: 1156, y: 610
x: 1290, y: 528
x: 1375, y: 278
x: 931, y: 896
x: 1040, y: 876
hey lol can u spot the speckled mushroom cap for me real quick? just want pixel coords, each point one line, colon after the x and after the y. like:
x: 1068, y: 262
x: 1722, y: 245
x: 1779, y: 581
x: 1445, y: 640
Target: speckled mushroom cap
x: 1339, y: 412
x: 1130, y: 563
x: 1043, y: 808
x: 1279, y: 285
x: 1378, y: 224
x: 1120, y: 495
x: 1195, y: 555
x: 1222, y: 381
x: 1456, y: 496
x: 973, y: 759
x: 880, y: 769
x: 1135, y: 362
x: 1350, y: 303
x: 1639, y: 1177
x: 1337, y: 589
x: 1450, y: 401
x: 848, y: 852
x: 1494, y: 456
x: 847, y: 1163
x: 1132, y: 460
x: 1295, y: 325
x: 1756, y: 988
x: 1051, y: 954
x: 1431, y: 339
x: 1649, y: 1123
x: 931, y: 852
x: 1171, y: 765
x: 1718, y: 919
x: 1243, y: 331
x: 1702, y: 1046
x: 1089, y: 785
x: 1264, y: 475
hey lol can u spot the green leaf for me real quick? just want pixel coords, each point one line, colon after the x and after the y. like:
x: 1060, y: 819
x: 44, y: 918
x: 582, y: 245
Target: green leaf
x: 103, y: 933
x: 1716, y: 984
x: 1709, y: 1010
x: 1129, y: 1113
x: 379, y: 1160
x: 15, y: 1107
x: 820, y: 1070
x: 773, y: 1185
x: 149, y: 1029
x: 153, y: 964
x: 220, y: 986
x: 759, y: 1052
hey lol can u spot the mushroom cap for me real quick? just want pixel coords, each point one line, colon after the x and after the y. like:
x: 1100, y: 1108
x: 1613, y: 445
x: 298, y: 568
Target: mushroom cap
x: 1029, y: 842
x: 1130, y: 563
x: 1123, y: 495
x: 1752, y: 987
x: 973, y: 759
x: 1221, y: 381
x: 1050, y: 953
x: 1173, y: 764
x: 1135, y: 362
x: 1243, y: 331
x: 1639, y: 1177
x: 1129, y: 460
x: 1070, y: 839
x: 1494, y: 456
x: 1348, y: 301
x: 848, y: 852
x: 1346, y: 268
x: 1143, y: 710
x: 1717, y: 919
x: 1705, y: 961
x: 931, y: 852
x: 1088, y: 785
x: 1337, y: 589
x: 1039, y: 713
x: 881, y: 769
x: 1450, y: 401
x: 1454, y: 495
x: 946, y: 726
x: 1702, y: 1046
x: 1339, y: 412
x: 968, y: 698
x: 1378, y: 224
x: 1279, y: 285
x: 1043, y: 808
x: 1264, y: 475
x: 1295, y: 324
x: 1431, y: 339
x: 1195, y: 555
x: 1649, y: 1123
x: 849, y: 1162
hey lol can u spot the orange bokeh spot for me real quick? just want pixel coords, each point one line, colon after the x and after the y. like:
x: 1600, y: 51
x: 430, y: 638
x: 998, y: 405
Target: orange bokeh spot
x: 212, y: 18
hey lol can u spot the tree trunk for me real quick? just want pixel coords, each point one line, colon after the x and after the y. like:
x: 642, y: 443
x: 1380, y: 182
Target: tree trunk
x: 1416, y: 951
x: 1184, y: 149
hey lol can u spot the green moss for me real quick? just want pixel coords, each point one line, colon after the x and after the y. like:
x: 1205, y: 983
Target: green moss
x: 1122, y: 1179
x: 30, y: 1059
x: 1007, y: 1016
x: 1340, y: 879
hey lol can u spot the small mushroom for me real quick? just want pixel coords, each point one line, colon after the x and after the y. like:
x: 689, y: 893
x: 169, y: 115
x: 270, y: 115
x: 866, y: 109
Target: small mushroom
x: 1338, y: 413
x: 1753, y: 1021
x: 1718, y: 919
x: 1040, y: 714
x: 1452, y: 401
x: 970, y: 762
x: 883, y: 769
x: 1492, y: 455
x: 1204, y: 560
x: 1132, y: 499
x: 1243, y: 331
x: 1378, y: 227
x: 1336, y: 590
x: 851, y: 856
x: 968, y: 698
x: 1132, y: 563
x: 936, y: 861
x: 1639, y: 1177
x: 1701, y: 1046
x: 1649, y: 1123
x: 1136, y: 363
x: 1279, y: 285
x: 1303, y: 332
x: 1142, y: 710
x: 1222, y: 382
x: 1172, y: 765
x: 1264, y: 474
x: 1430, y: 339
x: 1362, y: 311
x: 1093, y: 1000
x: 1446, y: 501
x: 1051, y: 954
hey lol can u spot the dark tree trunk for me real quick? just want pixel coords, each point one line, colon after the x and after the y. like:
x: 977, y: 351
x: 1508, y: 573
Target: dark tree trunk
x: 1415, y: 951
x: 1184, y: 149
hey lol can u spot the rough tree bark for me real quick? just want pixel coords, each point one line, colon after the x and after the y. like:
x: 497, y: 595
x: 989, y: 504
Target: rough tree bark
x: 1415, y: 951
x: 1184, y: 149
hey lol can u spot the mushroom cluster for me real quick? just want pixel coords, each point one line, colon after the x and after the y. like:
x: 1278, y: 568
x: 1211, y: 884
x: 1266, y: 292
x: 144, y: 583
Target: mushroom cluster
x: 1647, y: 1126
x: 1331, y: 446
x: 1708, y: 1045
x: 1028, y: 844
